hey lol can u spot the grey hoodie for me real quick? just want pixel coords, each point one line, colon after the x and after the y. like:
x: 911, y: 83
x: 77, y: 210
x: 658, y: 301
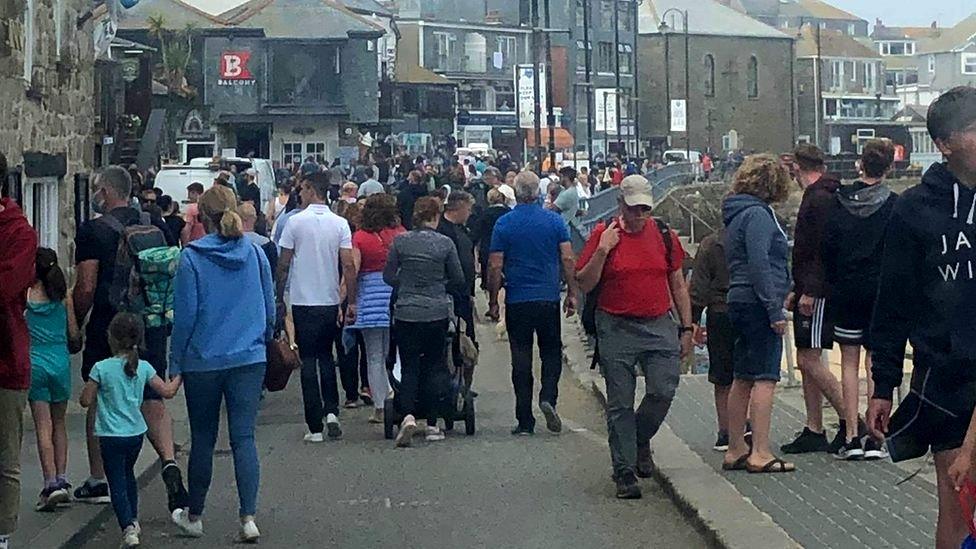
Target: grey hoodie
x: 756, y: 250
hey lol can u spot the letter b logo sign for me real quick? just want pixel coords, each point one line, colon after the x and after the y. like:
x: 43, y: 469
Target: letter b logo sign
x: 233, y: 65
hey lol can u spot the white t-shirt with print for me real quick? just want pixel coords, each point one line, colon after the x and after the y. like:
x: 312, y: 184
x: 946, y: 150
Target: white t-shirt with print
x: 316, y: 235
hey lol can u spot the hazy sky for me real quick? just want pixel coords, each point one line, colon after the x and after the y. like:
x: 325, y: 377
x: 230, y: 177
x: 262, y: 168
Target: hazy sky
x: 909, y: 12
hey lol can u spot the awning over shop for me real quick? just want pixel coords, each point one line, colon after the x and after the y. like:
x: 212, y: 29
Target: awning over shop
x: 564, y: 139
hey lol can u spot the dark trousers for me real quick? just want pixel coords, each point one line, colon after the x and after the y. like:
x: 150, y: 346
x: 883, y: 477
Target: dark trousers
x: 423, y: 370
x: 352, y: 367
x: 119, y: 454
x: 316, y: 330
x: 525, y: 320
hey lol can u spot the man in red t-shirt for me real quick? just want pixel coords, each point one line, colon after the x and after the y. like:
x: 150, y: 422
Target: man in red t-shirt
x: 638, y: 287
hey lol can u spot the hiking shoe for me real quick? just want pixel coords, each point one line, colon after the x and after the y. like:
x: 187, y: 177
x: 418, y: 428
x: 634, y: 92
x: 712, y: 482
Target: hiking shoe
x: 553, y: 423
x: 850, y: 451
x: 50, y: 498
x: 721, y: 442
x: 405, y: 437
x: 191, y: 529
x: 377, y: 417
x: 93, y: 492
x: 130, y: 537
x: 874, y: 450
x: 332, y: 427
x: 176, y: 494
x: 249, y: 531
x: 627, y: 487
x: 645, y: 463
x: 521, y: 431
x: 806, y: 442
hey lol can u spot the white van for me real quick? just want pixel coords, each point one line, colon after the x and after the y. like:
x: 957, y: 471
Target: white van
x: 263, y: 167
x: 677, y: 156
x: 174, y: 180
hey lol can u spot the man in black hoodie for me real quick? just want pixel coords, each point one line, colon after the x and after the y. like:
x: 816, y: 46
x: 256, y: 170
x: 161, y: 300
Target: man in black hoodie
x: 927, y: 295
x: 811, y: 322
x: 414, y: 189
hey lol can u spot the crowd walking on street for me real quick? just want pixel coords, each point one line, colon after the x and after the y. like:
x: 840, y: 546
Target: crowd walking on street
x: 368, y: 288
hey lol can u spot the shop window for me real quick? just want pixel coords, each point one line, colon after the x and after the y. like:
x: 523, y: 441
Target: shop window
x: 316, y: 150
x: 292, y: 152
x: 40, y: 205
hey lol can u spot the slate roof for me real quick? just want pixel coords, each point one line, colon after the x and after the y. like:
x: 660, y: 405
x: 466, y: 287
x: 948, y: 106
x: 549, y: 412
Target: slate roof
x: 175, y: 13
x: 705, y: 17
x: 950, y: 38
x: 300, y: 19
x: 832, y: 44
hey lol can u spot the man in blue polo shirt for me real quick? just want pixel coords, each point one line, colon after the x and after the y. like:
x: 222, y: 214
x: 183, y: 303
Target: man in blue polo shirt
x: 529, y: 245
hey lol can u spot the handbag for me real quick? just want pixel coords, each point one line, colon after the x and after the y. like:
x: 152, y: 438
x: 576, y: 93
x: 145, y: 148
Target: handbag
x: 282, y: 359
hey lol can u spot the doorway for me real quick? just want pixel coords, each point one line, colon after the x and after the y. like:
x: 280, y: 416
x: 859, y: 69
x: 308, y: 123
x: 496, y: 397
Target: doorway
x: 253, y: 140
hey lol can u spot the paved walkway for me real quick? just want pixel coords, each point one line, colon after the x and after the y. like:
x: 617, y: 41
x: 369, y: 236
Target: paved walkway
x: 826, y: 503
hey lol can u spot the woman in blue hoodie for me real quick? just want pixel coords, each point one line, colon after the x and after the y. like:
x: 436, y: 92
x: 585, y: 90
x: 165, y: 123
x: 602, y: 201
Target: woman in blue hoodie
x: 218, y: 346
x: 756, y: 250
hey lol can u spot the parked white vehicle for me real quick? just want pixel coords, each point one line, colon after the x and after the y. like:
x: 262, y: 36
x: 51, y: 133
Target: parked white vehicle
x: 263, y: 167
x: 677, y: 156
x: 174, y: 180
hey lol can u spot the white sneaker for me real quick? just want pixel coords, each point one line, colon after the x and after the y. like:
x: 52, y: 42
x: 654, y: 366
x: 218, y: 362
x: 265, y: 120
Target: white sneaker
x: 135, y: 524
x: 314, y: 437
x: 249, y: 531
x: 405, y: 436
x: 332, y: 427
x: 434, y: 434
x: 192, y: 529
x: 130, y: 537
x: 4, y: 541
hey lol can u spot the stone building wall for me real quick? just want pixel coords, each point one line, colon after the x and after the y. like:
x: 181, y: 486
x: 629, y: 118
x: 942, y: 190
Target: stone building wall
x: 54, y: 112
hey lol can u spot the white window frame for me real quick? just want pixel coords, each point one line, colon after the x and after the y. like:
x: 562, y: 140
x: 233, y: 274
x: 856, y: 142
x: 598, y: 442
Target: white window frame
x: 293, y: 148
x: 932, y: 64
x: 968, y: 63
x: 42, y: 210
x: 445, y: 42
x: 29, y: 16
x: 315, y: 149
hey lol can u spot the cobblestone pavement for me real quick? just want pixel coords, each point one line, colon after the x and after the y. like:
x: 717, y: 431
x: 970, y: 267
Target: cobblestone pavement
x: 826, y: 503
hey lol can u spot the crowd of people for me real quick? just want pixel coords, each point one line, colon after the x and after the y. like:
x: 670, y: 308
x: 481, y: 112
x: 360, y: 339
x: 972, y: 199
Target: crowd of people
x: 378, y: 274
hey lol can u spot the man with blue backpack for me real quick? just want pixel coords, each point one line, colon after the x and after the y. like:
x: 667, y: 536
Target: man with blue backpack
x: 126, y: 262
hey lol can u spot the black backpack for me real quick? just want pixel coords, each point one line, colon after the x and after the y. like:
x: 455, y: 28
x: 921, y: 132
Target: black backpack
x: 588, y: 315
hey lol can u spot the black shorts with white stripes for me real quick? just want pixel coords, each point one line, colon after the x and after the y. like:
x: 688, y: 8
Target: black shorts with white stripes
x: 815, y: 331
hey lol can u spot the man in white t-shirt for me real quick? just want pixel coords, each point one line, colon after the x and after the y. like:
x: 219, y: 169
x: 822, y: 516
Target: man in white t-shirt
x: 314, y: 244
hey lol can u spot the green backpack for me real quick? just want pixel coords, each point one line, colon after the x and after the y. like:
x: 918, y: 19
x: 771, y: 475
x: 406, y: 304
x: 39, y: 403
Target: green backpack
x: 157, y: 270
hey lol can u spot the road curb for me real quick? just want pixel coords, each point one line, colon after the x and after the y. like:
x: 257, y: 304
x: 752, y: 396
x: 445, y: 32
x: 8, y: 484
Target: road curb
x: 710, y: 501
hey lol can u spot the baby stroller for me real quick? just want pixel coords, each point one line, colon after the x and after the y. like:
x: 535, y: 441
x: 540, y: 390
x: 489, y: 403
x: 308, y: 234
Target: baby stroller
x: 460, y: 397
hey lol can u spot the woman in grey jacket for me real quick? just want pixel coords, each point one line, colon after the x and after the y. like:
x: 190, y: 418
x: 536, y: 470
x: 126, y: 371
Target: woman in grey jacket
x: 756, y: 250
x: 421, y: 265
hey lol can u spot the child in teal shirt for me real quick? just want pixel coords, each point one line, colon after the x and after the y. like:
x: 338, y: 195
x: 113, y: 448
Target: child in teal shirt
x: 118, y: 383
x: 50, y: 328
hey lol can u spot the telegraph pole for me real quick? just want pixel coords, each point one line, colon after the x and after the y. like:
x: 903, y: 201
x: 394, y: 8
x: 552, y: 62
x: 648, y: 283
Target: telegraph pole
x: 537, y: 114
x: 635, y: 114
x: 616, y: 65
x: 588, y: 60
x: 550, y: 116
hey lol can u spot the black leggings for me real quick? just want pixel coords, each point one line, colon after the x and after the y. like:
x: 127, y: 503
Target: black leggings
x: 424, y: 384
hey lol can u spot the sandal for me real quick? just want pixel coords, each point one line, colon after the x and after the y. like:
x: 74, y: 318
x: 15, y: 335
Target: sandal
x: 737, y: 465
x: 775, y: 465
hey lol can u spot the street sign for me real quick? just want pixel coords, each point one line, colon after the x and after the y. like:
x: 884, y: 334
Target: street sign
x: 524, y: 86
x: 679, y: 115
x: 606, y: 110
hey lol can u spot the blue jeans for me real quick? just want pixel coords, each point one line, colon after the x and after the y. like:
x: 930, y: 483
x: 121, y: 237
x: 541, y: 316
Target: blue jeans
x: 240, y: 387
x: 119, y: 454
x: 758, y: 349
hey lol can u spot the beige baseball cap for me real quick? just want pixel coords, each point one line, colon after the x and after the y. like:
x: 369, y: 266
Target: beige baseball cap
x: 636, y: 191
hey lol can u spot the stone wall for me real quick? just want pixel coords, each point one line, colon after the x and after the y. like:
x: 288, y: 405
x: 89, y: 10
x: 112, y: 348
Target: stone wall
x: 54, y: 112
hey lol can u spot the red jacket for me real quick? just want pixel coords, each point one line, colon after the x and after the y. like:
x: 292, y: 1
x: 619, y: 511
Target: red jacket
x: 18, y: 246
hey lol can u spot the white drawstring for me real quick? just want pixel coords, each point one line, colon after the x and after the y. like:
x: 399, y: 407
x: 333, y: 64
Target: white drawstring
x: 955, y: 202
x: 972, y: 210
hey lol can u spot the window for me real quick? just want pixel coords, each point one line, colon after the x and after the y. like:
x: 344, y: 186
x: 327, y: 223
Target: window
x: 604, y: 57
x: 444, y: 54
x: 504, y: 97
x: 29, y: 41
x: 40, y: 205
x: 304, y: 74
x: 580, y: 55
x: 931, y: 64
x: 606, y: 14
x: 836, y: 74
x: 969, y: 63
x: 830, y: 107
x: 475, y: 53
x: 897, y: 48
x: 580, y: 13
x: 752, y: 78
x: 317, y: 150
x: 851, y: 29
x: 508, y: 46
x: 472, y: 99
x: 709, y: 75
x: 624, y: 14
x: 625, y: 59
x: 292, y: 152
x: 870, y: 76
x: 410, y: 100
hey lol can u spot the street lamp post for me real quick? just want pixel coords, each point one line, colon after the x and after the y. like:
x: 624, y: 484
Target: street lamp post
x: 664, y: 27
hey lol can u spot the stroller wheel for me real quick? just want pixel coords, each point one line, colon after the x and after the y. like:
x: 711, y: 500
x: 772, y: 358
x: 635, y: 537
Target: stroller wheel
x: 448, y: 424
x: 469, y: 414
x: 389, y: 418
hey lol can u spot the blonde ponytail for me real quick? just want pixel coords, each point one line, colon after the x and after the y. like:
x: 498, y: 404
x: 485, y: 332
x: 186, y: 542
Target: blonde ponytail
x: 231, y: 225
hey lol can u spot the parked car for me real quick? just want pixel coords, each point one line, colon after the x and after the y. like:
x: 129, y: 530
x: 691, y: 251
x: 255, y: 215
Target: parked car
x: 677, y: 156
x: 174, y: 180
x: 263, y: 167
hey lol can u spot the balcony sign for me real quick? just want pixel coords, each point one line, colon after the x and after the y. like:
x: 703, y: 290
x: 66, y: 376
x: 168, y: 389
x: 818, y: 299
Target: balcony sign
x: 234, y: 70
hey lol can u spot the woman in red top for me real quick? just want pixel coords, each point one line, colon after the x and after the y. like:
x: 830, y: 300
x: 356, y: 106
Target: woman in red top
x: 638, y: 284
x: 371, y: 243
